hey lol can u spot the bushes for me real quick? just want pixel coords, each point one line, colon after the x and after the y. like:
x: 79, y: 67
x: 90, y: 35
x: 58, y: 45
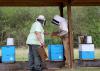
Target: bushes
x: 17, y: 21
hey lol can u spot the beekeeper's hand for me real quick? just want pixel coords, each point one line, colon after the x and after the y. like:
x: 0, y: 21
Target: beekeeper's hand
x: 46, y: 33
x: 43, y: 45
x: 54, y: 34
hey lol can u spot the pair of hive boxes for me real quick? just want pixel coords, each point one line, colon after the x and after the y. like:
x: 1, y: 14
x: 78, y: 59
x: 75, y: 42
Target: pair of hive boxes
x: 86, y: 48
x: 8, y: 51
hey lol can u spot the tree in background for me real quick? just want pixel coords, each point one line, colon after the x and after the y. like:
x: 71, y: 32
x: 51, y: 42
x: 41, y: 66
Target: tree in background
x: 86, y: 21
x: 18, y: 20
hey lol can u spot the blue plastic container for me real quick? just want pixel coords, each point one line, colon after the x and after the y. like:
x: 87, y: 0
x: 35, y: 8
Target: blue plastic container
x: 86, y: 55
x: 8, y: 54
x: 56, y: 52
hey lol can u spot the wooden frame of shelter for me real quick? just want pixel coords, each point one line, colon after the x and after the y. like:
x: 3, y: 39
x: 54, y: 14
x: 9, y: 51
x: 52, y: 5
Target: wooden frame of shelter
x: 61, y: 4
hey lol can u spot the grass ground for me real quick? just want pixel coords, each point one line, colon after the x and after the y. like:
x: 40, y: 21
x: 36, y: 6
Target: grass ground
x: 22, y: 54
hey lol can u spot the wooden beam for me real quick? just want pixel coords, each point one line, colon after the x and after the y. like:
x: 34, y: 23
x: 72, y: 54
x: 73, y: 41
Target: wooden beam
x: 49, y: 2
x: 70, y: 35
x: 31, y: 2
x: 85, y: 2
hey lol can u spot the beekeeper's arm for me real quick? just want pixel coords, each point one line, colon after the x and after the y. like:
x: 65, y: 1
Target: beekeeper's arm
x: 39, y: 37
x: 38, y: 31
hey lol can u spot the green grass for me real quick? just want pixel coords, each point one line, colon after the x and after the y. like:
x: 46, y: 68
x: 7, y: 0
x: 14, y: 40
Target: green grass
x: 22, y: 54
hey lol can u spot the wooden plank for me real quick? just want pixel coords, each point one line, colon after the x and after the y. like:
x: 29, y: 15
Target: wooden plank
x: 23, y: 66
x: 88, y: 63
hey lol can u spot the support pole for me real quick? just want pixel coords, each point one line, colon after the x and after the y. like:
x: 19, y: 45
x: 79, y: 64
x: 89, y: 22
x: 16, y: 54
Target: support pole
x: 70, y: 35
x: 61, y: 10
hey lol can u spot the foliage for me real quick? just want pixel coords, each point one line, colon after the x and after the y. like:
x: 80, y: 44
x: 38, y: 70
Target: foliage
x: 18, y: 20
x: 86, y: 21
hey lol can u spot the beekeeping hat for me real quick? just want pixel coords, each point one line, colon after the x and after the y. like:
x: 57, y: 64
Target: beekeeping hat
x: 57, y: 19
x: 41, y: 17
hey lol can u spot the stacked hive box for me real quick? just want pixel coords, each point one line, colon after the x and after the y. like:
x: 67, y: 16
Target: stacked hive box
x: 86, y: 49
x: 8, y: 51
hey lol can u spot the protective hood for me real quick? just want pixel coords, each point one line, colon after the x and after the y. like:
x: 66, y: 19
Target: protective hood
x: 41, y: 19
x: 57, y: 20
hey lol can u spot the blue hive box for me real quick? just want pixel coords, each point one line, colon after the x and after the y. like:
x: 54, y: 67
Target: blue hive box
x: 86, y: 51
x: 56, y: 52
x: 8, y: 54
x: 86, y: 55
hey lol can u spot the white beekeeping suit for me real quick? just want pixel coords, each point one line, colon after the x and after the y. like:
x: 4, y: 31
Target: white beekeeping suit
x: 62, y: 23
x: 63, y: 32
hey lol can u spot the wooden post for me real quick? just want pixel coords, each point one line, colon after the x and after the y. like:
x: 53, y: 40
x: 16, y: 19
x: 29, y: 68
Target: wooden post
x: 61, y: 10
x: 70, y: 35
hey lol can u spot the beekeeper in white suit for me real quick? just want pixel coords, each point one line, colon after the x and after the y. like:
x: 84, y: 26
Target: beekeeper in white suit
x: 35, y: 40
x: 63, y: 33
x: 62, y: 24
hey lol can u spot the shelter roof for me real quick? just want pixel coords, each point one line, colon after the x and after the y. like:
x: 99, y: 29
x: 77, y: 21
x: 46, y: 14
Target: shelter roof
x: 48, y: 2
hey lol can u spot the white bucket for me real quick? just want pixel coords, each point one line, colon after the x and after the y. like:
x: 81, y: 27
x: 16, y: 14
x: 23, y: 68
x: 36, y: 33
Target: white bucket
x: 10, y: 41
x: 89, y: 39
